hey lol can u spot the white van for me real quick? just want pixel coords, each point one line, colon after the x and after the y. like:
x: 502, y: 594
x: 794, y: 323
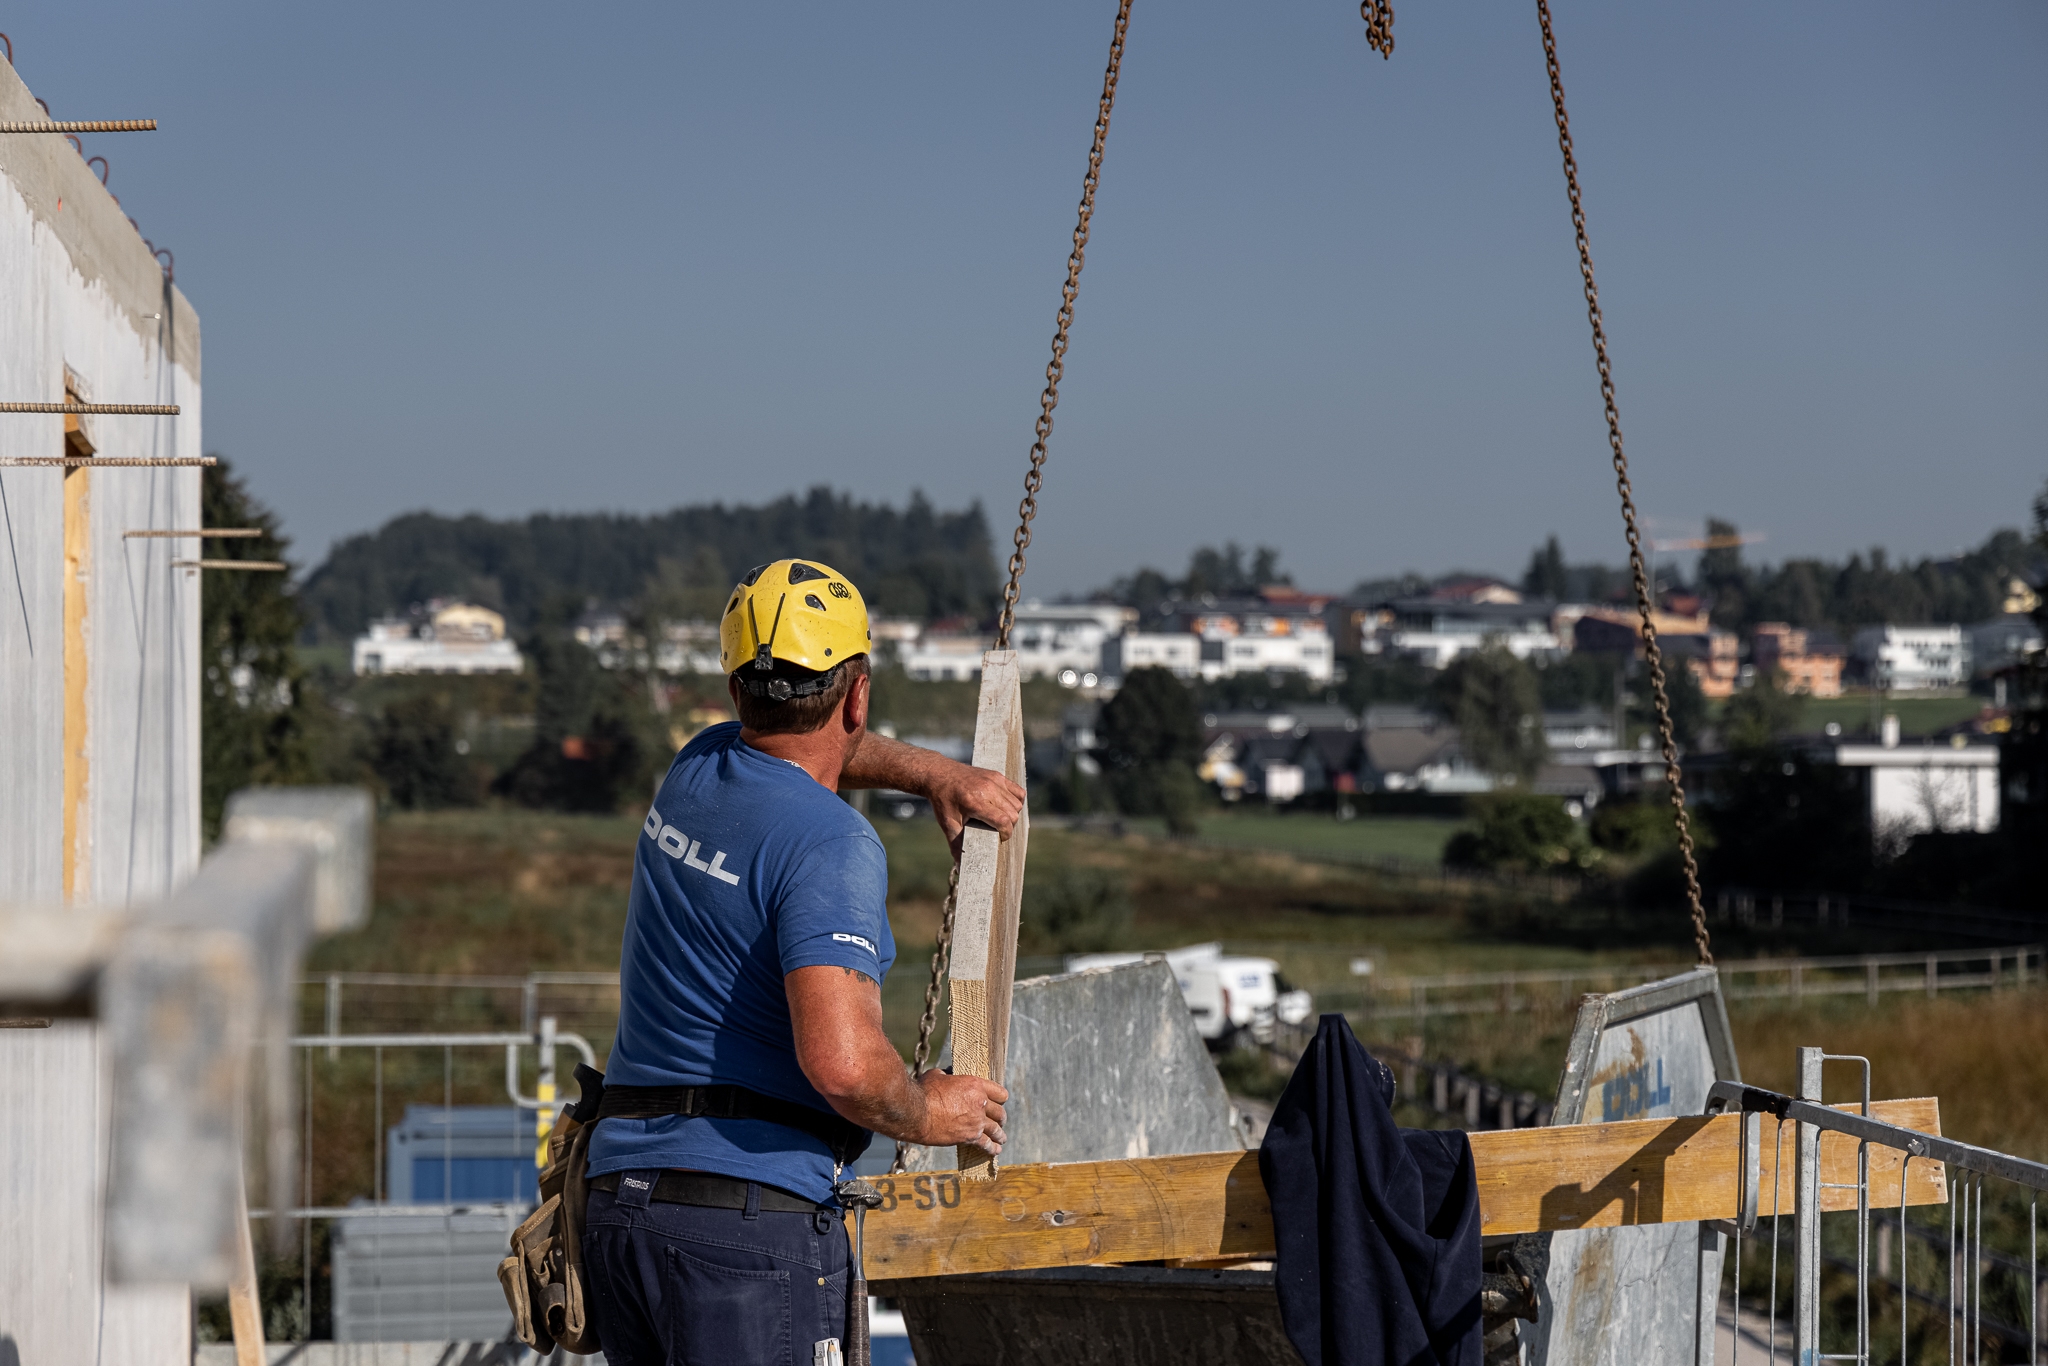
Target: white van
x: 1229, y: 997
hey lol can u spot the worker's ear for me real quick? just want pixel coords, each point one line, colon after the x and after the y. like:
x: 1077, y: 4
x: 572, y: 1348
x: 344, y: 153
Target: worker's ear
x: 856, y: 712
x: 732, y: 690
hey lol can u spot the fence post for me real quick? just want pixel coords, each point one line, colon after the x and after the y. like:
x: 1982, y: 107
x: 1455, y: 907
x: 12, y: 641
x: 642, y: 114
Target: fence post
x: 1870, y: 982
x: 333, y: 1014
x: 1931, y: 986
x: 1806, y: 1221
x: 1997, y: 968
x: 1798, y: 982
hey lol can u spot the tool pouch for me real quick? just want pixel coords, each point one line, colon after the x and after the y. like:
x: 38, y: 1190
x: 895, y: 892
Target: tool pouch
x: 543, y: 1278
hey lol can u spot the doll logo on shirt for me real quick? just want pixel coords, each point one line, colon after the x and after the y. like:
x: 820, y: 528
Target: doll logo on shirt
x: 856, y: 939
x: 677, y: 845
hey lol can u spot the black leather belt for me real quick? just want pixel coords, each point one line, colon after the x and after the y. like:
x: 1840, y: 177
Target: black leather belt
x: 715, y: 1192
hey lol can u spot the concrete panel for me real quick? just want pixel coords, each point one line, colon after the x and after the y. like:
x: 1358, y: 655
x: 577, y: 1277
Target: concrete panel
x: 49, y: 1185
x: 86, y: 298
x: 1104, y: 1064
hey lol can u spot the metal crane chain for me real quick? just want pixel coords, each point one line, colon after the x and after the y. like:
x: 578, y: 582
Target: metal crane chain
x: 1379, y: 25
x: 1034, y: 478
x: 1644, y: 609
x: 941, y: 951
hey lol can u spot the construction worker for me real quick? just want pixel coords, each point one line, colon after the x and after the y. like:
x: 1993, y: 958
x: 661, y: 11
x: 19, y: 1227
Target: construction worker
x: 750, y: 1063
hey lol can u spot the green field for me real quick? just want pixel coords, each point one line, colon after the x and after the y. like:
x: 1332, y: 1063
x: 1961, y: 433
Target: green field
x: 1411, y: 839
x: 1917, y: 715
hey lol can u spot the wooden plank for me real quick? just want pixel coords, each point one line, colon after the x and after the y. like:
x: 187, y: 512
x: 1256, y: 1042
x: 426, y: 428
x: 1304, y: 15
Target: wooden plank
x: 245, y: 1307
x: 991, y: 892
x: 1208, y: 1206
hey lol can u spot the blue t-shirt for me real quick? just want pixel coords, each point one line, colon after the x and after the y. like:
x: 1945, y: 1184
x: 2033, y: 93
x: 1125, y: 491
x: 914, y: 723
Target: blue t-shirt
x: 747, y: 869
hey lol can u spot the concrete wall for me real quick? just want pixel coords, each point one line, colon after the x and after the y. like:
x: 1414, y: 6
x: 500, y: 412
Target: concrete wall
x: 84, y: 295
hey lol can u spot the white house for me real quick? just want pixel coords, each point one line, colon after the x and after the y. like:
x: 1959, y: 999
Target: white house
x: 1052, y: 640
x: 1173, y: 650
x: 1437, y: 630
x: 1912, y: 658
x: 1303, y: 650
x: 441, y: 638
x: 934, y: 658
x: 1917, y: 789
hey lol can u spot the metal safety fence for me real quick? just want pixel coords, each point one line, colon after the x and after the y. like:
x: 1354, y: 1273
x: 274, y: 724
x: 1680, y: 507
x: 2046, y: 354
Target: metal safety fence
x: 1869, y: 1284
x: 415, y: 1256
x: 1340, y: 976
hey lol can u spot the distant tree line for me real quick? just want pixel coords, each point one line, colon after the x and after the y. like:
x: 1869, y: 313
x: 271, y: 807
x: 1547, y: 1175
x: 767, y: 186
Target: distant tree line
x: 917, y: 561
x: 1863, y: 590
x: 1211, y: 572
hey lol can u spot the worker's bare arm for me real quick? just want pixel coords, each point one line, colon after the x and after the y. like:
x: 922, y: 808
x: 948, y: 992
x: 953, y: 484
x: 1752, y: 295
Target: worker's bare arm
x: 958, y: 792
x: 837, y: 1017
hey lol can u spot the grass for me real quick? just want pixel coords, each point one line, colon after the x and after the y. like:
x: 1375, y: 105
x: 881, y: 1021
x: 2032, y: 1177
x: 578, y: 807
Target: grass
x: 508, y: 892
x: 1918, y: 716
x: 1412, y: 839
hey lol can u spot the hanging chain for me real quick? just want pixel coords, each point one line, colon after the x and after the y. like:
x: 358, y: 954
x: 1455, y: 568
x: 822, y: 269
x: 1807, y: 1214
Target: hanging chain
x: 1651, y: 653
x: 1034, y: 478
x: 1379, y: 25
x: 940, y: 952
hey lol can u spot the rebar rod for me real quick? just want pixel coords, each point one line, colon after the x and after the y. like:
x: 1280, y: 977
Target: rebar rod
x: 95, y: 409
x: 71, y: 462
x: 210, y: 533
x: 261, y: 566
x: 82, y: 126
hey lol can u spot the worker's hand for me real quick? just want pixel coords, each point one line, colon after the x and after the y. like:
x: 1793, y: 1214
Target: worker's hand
x: 962, y: 1110
x: 960, y: 793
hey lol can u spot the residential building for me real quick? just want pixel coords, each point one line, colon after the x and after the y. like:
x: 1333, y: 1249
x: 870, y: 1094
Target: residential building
x: 1304, y: 648
x: 1803, y: 660
x: 1436, y: 630
x: 1939, y: 786
x: 1715, y: 660
x: 439, y: 637
x: 1283, y: 755
x: 1065, y: 637
x: 1571, y: 734
x: 1609, y: 629
x: 1174, y: 650
x: 1912, y: 658
x: 936, y: 658
x: 103, y: 663
x: 2001, y: 643
x: 683, y: 647
x: 891, y: 636
x: 1409, y: 749
x: 1281, y: 630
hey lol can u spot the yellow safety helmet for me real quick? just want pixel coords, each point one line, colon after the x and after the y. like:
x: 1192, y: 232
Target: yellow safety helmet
x: 793, y: 612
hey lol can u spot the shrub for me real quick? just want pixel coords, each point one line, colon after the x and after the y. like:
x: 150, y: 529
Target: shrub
x: 1521, y: 832
x: 1074, y: 909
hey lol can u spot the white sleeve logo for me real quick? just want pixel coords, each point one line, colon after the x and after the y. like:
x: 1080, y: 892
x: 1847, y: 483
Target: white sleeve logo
x: 856, y: 939
x: 677, y: 845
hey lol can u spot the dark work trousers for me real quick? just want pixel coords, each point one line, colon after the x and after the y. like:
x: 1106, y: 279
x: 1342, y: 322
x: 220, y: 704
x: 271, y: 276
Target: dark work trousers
x: 713, y: 1287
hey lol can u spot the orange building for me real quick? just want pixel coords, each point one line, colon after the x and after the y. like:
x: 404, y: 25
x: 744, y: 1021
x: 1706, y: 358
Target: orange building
x: 1817, y: 673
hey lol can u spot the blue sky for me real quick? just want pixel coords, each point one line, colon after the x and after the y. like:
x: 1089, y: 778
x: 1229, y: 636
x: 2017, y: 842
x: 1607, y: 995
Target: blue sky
x: 510, y: 258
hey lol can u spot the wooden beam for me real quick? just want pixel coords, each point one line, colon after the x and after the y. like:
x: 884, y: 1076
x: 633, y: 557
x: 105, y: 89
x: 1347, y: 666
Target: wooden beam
x: 1208, y: 1206
x: 990, y: 894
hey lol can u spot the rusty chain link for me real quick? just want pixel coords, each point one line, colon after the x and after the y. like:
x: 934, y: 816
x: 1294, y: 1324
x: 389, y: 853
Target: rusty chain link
x: 1379, y: 25
x: 1644, y: 608
x: 1034, y: 478
x: 940, y: 952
